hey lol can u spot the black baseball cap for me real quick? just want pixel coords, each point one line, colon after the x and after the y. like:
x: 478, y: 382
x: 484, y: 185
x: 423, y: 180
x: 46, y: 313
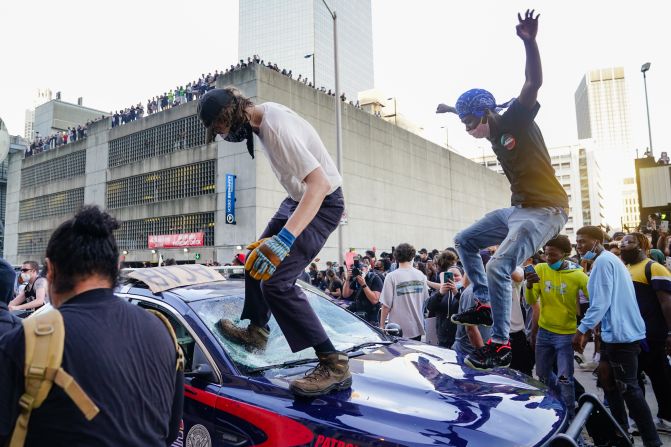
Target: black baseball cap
x: 209, y: 106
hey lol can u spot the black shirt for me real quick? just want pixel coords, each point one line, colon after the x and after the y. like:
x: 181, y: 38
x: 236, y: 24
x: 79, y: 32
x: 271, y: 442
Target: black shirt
x: 519, y: 146
x: 361, y: 304
x: 122, y: 357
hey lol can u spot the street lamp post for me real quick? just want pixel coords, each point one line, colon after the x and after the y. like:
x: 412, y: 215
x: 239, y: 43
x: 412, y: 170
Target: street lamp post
x: 395, y: 112
x: 645, y: 67
x: 312, y: 55
x: 338, y: 119
x: 447, y: 137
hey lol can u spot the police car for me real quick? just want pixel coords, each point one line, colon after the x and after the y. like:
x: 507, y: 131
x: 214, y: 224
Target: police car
x: 404, y: 393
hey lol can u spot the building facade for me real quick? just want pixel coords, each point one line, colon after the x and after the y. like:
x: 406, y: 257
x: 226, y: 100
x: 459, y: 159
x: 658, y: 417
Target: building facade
x: 286, y: 32
x: 158, y: 178
x: 57, y: 116
x: 631, y: 217
x: 577, y: 171
x: 603, y: 115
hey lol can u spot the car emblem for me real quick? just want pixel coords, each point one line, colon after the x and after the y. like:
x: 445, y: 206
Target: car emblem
x: 198, y: 437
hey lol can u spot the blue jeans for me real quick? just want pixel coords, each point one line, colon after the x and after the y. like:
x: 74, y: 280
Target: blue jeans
x: 520, y: 233
x: 551, y: 348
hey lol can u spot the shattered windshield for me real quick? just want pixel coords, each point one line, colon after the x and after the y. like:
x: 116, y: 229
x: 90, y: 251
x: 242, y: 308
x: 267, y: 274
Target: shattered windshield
x: 344, y: 329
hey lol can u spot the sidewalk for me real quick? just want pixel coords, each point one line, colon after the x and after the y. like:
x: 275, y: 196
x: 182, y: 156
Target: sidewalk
x: 589, y: 382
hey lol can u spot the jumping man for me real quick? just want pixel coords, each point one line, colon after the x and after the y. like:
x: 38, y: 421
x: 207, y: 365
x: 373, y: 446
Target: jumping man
x: 539, y: 203
x: 294, y: 236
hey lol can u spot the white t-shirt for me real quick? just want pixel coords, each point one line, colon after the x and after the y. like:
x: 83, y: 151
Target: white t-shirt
x: 404, y: 292
x: 516, y: 315
x: 294, y: 149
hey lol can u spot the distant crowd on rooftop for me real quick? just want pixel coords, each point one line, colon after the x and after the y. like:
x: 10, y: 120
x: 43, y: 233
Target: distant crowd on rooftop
x: 173, y: 97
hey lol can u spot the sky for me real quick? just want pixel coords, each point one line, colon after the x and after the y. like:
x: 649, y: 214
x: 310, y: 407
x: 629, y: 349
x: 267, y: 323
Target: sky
x: 115, y: 54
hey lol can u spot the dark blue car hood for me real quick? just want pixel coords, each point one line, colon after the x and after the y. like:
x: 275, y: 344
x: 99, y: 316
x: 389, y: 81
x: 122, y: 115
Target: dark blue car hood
x: 415, y: 394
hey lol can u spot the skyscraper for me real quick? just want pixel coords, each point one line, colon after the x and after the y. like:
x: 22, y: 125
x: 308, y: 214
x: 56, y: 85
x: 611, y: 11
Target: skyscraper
x: 296, y: 34
x: 602, y: 115
x: 41, y: 96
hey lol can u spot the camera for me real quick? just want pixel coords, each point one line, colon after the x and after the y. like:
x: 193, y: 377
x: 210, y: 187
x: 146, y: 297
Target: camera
x: 355, y: 272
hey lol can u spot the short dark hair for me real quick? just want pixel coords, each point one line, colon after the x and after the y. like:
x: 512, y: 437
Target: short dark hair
x: 561, y: 242
x: 423, y: 251
x: 404, y: 253
x: 445, y: 260
x: 370, y: 253
x: 592, y: 232
x: 83, y: 246
x: 33, y: 265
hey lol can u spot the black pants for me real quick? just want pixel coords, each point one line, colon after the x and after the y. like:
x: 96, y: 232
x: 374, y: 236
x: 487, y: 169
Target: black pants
x: 654, y: 363
x: 280, y: 294
x: 523, y: 356
x: 618, y: 374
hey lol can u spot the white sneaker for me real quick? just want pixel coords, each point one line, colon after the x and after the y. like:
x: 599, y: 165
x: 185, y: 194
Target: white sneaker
x: 663, y: 425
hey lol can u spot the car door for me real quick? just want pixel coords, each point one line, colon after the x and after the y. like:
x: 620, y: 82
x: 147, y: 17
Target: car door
x: 202, y: 384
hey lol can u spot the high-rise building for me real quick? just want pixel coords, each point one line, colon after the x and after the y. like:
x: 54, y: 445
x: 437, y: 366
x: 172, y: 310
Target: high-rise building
x: 602, y: 115
x: 577, y: 171
x: 41, y: 96
x: 631, y: 215
x: 298, y: 36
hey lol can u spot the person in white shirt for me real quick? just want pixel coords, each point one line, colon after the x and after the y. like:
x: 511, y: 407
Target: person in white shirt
x: 294, y: 236
x: 403, y: 295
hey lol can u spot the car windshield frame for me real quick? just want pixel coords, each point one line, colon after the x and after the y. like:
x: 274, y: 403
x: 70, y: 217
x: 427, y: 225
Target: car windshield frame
x: 277, y: 353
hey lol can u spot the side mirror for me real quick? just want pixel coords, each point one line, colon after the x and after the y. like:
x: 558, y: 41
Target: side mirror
x: 201, y: 371
x: 393, y: 329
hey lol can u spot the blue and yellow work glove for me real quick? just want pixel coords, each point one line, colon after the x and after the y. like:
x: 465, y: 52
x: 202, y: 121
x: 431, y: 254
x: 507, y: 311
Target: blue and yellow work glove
x: 267, y: 254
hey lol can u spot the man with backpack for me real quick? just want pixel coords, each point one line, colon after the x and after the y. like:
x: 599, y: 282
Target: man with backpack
x: 652, y: 284
x: 96, y: 370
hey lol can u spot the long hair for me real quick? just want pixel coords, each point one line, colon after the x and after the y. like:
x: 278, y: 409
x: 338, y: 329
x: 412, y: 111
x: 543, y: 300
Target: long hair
x: 234, y: 114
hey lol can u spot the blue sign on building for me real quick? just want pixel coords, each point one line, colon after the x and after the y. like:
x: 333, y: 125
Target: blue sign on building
x: 230, y: 199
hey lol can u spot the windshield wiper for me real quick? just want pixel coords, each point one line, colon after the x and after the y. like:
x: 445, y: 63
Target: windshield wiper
x: 283, y: 365
x: 369, y: 343
x: 291, y: 363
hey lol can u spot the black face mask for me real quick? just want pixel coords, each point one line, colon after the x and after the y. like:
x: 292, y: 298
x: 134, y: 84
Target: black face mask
x: 241, y: 133
x: 630, y: 256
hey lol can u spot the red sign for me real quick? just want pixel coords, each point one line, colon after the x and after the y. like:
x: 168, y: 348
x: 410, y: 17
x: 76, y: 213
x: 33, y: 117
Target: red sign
x: 176, y: 240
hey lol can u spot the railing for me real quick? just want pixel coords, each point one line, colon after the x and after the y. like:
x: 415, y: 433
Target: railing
x: 610, y: 431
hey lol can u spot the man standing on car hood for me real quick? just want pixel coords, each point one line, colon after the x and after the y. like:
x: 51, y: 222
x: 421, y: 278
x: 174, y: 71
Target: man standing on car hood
x: 294, y: 236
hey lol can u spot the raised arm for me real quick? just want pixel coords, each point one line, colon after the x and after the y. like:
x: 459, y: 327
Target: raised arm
x: 527, y: 28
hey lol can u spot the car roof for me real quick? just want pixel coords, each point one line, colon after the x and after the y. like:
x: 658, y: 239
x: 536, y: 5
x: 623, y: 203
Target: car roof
x: 187, y: 282
x: 189, y: 293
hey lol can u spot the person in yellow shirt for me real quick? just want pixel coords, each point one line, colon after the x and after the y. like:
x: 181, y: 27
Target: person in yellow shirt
x: 556, y: 285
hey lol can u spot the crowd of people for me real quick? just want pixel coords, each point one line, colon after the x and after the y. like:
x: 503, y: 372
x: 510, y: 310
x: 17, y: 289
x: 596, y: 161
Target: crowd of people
x: 562, y: 298
x: 179, y: 95
x: 196, y: 89
x: 57, y: 139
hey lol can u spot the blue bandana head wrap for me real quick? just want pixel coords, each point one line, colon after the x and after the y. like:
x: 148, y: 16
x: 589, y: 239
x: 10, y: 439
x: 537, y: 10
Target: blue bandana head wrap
x: 476, y: 102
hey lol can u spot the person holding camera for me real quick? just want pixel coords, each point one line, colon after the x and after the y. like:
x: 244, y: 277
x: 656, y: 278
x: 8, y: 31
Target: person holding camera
x: 363, y: 287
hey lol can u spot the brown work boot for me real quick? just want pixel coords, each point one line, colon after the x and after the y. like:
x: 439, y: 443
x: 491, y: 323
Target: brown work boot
x: 332, y: 373
x: 251, y: 337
